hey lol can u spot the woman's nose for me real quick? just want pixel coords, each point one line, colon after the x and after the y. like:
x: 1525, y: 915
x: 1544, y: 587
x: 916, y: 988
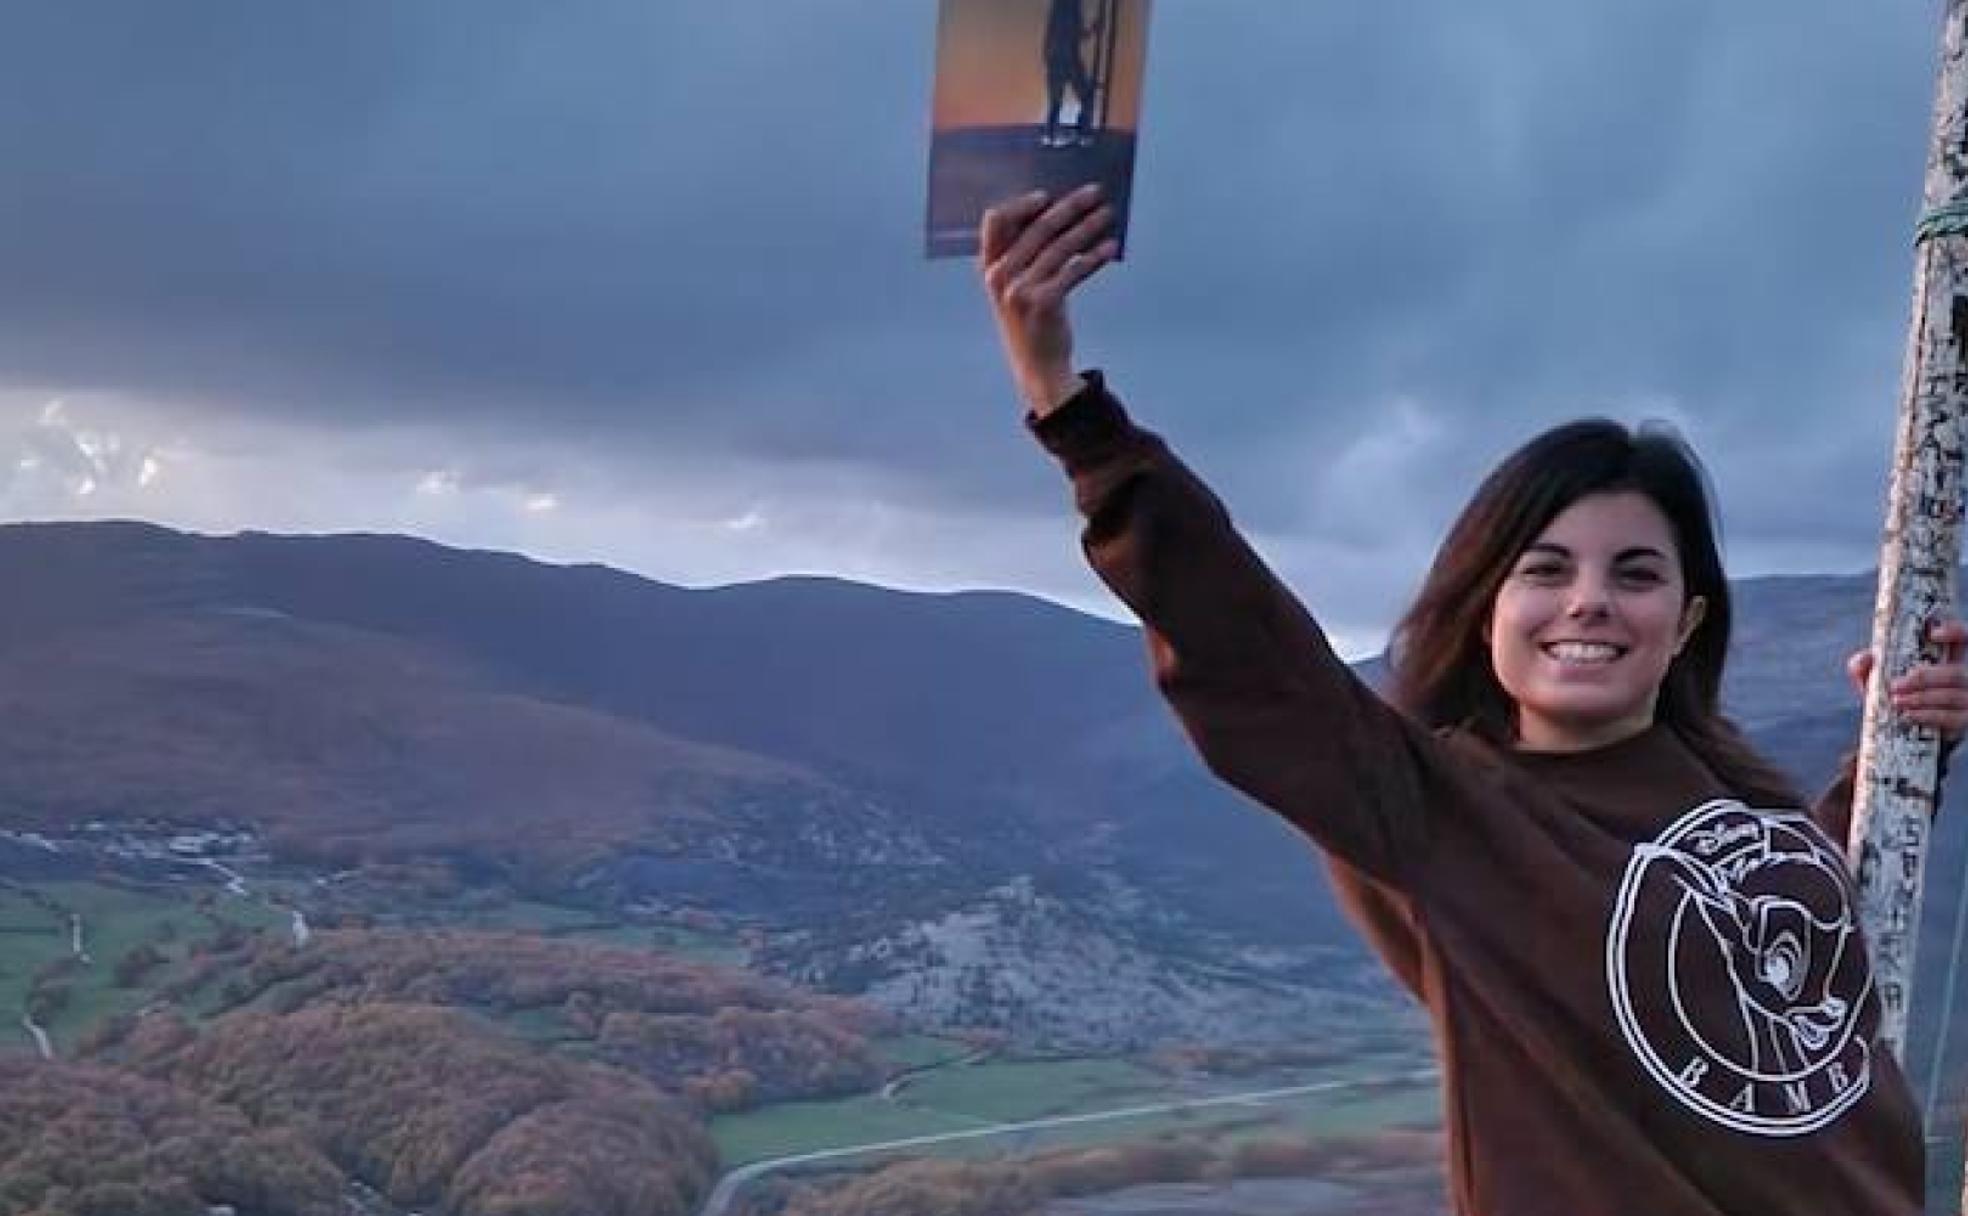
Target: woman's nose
x: 1588, y: 602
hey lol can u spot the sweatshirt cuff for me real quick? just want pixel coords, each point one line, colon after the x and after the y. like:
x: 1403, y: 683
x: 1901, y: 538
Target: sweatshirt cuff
x: 1085, y: 428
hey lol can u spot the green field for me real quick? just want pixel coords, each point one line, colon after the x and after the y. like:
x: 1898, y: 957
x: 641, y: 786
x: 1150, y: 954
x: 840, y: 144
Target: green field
x: 920, y: 1050
x: 691, y: 943
x: 967, y: 1098
x: 114, y: 919
x: 1016, y: 1091
x: 35, y: 933
x: 30, y: 938
x: 807, y: 1127
x: 1328, y: 1113
x: 585, y: 925
x: 1346, y: 1112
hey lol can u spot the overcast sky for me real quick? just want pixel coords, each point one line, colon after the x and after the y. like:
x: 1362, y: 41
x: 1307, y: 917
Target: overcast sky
x: 640, y: 282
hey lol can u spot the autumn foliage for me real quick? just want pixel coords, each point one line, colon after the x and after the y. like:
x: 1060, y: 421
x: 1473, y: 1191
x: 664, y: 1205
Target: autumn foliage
x: 77, y: 1140
x: 434, y: 1109
x: 916, y: 1188
x: 1399, y: 1170
x: 725, y: 1039
x: 388, y: 1056
x: 736, y: 1058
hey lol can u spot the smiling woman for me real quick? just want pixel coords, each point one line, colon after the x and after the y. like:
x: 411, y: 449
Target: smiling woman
x: 1557, y: 608
x: 1637, y: 946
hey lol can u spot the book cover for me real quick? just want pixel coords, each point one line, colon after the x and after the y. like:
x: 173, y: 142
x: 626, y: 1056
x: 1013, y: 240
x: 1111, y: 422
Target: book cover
x: 1032, y: 94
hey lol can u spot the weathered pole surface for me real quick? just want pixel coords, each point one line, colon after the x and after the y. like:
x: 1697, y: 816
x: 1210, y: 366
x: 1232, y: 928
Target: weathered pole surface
x: 1899, y: 763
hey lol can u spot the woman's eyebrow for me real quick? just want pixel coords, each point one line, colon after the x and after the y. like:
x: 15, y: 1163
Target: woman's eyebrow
x: 1554, y: 549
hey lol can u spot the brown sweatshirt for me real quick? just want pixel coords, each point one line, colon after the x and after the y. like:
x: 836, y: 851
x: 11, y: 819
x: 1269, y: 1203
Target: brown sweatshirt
x: 1647, y: 997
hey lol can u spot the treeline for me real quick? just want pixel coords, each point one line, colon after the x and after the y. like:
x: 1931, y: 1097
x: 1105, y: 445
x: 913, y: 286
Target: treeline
x: 77, y: 1140
x: 1238, y: 1060
x: 515, y: 971
x: 1402, y: 1170
x: 724, y: 1038
x: 735, y: 1059
x: 435, y: 1110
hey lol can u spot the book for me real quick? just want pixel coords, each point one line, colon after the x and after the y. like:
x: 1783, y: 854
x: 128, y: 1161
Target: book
x: 1032, y: 94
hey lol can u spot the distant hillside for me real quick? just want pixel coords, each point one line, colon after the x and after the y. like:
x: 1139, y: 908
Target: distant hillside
x: 857, y: 762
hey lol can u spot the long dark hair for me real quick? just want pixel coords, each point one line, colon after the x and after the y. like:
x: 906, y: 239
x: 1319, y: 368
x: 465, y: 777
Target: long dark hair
x: 1442, y: 671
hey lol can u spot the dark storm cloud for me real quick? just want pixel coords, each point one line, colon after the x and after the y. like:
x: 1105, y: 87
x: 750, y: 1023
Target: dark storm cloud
x: 506, y: 204
x: 1518, y: 213
x: 693, y: 227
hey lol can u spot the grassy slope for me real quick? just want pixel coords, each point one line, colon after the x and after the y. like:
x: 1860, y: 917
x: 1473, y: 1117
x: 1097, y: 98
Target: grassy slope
x: 979, y: 1096
x: 115, y: 919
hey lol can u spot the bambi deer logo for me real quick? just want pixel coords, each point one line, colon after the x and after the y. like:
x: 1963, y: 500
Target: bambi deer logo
x: 1736, y: 970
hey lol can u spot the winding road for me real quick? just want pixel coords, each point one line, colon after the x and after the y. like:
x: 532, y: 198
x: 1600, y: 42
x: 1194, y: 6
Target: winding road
x: 234, y: 884
x: 40, y: 1037
x: 729, y: 1185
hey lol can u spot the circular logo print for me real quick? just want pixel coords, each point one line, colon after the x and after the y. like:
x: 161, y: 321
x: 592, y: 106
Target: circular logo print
x: 1737, y: 971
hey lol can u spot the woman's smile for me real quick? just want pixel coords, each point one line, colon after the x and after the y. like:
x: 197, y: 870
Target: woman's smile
x: 1584, y: 654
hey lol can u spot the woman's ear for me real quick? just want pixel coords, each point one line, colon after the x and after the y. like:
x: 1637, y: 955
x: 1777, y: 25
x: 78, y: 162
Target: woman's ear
x: 1691, y: 618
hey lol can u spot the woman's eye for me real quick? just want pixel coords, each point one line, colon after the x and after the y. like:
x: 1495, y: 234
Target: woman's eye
x: 1542, y: 570
x: 1640, y: 577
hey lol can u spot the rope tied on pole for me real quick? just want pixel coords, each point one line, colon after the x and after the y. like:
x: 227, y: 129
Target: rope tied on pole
x: 1948, y: 219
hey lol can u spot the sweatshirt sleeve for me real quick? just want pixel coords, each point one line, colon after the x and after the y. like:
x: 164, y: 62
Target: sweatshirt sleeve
x: 1257, y: 688
x: 1833, y: 812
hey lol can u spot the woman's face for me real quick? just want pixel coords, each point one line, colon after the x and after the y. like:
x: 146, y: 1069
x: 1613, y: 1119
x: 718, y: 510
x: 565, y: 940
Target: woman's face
x: 1587, y: 620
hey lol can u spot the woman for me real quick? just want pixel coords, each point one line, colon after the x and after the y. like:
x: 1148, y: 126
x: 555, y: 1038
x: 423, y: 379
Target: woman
x: 1648, y: 989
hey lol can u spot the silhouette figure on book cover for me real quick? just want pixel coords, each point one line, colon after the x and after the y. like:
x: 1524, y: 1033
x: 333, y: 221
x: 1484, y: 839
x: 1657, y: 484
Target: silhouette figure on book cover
x: 1066, y: 36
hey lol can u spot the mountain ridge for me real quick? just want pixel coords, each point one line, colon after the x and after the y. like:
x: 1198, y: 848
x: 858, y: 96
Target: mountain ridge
x: 868, y: 763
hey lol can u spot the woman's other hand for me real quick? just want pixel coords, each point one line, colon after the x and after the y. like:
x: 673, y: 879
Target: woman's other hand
x: 1934, y: 695
x: 1032, y: 251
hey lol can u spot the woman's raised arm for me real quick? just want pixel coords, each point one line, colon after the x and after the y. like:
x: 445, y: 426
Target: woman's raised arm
x: 1269, y: 706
